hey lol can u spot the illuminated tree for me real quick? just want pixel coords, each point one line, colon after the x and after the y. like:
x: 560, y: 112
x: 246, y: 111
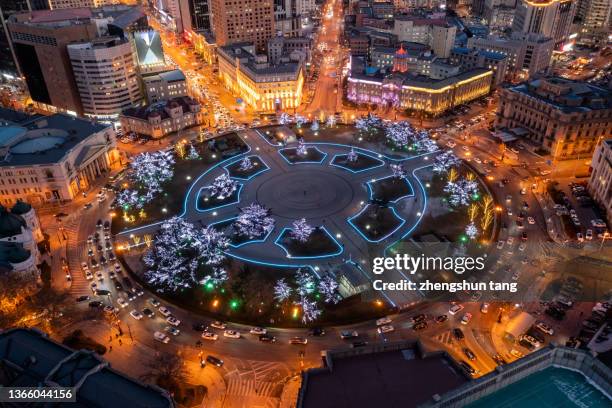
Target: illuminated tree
x: 282, y: 290
x: 223, y: 187
x: 328, y: 287
x: 445, y: 161
x: 487, y: 212
x: 397, y: 171
x: 471, y: 231
x: 301, y: 148
x: 246, y: 164
x: 301, y: 230
x: 315, y: 125
x: 193, y: 153
x: 331, y: 121
x: 351, y: 156
x: 254, y: 221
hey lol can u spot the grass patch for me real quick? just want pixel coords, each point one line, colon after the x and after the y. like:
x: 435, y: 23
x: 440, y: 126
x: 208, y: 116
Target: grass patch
x: 363, y: 162
x: 319, y: 243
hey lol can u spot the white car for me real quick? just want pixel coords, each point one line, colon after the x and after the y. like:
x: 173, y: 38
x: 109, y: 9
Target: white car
x: 579, y: 237
x: 233, y: 334
x: 136, y: 314
x: 165, y: 311
x: 589, y: 235
x: 484, y: 308
x: 531, y: 220
x: 258, y: 330
x: 88, y: 275
x: 386, y: 329
x: 122, y: 302
x: 383, y: 321
x: 218, y: 325
x: 210, y: 336
x: 522, y: 246
x: 510, y: 240
x: 544, y: 328
x: 173, y: 320
x: 466, y: 318
x: 117, y: 268
x: 455, y: 309
x: 500, y: 244
x: 161, y: 337
x: 84, y: 266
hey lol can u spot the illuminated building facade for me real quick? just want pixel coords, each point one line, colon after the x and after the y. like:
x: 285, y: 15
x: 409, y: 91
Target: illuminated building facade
x: 600, y: 183
x: 419, y: 93
x: 566, y: 118
x: 262, y: 85
x: 551, y: 18
x: 245, y: 20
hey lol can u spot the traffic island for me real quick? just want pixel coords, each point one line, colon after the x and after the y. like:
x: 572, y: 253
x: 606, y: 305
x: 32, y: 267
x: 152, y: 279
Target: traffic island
x: 320, y: 244
x: 376, y: 223
x: 390, y: 189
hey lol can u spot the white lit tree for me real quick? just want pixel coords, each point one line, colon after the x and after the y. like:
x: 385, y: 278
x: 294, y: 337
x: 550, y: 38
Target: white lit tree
x: 284, y: 119
x: 369, y: 123
x: 423, y: 143
x: 299, y: 120
x: 305, y: 282
x: 310, y: 311
x: 193, y: 153
x: 471, y: 230
x: 301, y: 149
x: 216, y: 277
x: 445, y: 161
x: 331, y: 121
x: 151, y: 170
x: 301, y: 230
x: 352, y: 156
x: 254, y: 221
x: 130, y: 199
x: 328, y: 287
x: 461, y: 191
x: 397, y: 171
x: 315, y: 125
x: 246, y: 164
x: 282, y: 290
x: 179, y: 252
x: 400, y: 134
x: 223, y: 187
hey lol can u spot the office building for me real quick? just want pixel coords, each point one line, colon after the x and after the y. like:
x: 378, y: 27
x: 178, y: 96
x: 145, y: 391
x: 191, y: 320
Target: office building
x: 7, y: 55
x: 199, y: 11
x: 243, y: 21
x: 600, y: 183
x: 59, y: 4
x: 528, y: 54
x: 105, y: 73
x: 551, y: 18
x: 264, y: 86
x: 52, y: 158
x: 162, y: 118
x: 419, y: 92
x: 567, y: 119
x: 594, y: 20
x: 470, y: 59
x: 29, y: 358
x: 165, y: 85
x: 436, y: 33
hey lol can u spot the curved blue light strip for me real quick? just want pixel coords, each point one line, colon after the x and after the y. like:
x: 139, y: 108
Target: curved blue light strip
x: 265, y: 167
x: 371, y: 191
x: 273, y: 265
x: 280, y: 151
x: 266, y: 139
x: 381, y: 163
x: 198, y: 209
x: 282, y: 233
x: 378, y: 155
x: 350, y: 221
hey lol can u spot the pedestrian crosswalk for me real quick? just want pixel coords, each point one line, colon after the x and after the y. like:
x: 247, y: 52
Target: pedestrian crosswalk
x: 75, y: 251
x: 445, y: 338
x: 241, y: 387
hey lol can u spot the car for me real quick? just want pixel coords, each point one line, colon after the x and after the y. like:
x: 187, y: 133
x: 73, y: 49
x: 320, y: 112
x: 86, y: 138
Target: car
x: 383, y: 321
x: 522, y: 246
x: 317, y: 331
x: 103, y: 260
x: 467, y: 368
x: 137, y: 290
x: 347, y: 334
x: 96, y: 304
x: 88, y: 275
x: 161, y: 337
x: 598, y: 223
x: 93, y: 286
x: 110, y: 309
x: 455, y: 309
x: 232, y: 334
x: 469, y: 353
x: 579, y: 237
x: 172, y: 330
x: 466, y: 318
x: 467, y: 149
x: 84, y: 266
x: 173, y: 320
x: 499, y: 359
x: 519, y: 224
x: 112, y: 275
x: 206, y: 335
x: 267, y: 338
x: 130, y: 296
x: 386, y: 329
x: 589, y: 235
x: 458, y: 334
x: 524, y: 236
x: 530, y: 220
x: 164, y: 311
x: 117, y: 268
x: 509, y: 197
x: 90, y: 253
x: 516, y: 275
x: 122, y: 302
x: 529, y: 339
x: 214, y: 361
x: 154, y: 302
x: 419, y: 326
x: 258, y: 330
x: 148, y: 312
x: 484, y: 308
x: 99, y: 224
x: 118, y: 285
x: 218, y: 325
x: 298, y: 340
x: 100, y: 276
x: 500, y: 244
x: 418, y: 318
x: 441, y: 318
x: 136, y: 314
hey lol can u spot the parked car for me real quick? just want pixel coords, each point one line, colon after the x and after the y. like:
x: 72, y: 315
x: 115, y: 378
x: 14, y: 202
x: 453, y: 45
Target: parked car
x: 161, y: 337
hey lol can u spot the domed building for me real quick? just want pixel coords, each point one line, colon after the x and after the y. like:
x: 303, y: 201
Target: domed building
x: 18, y: 240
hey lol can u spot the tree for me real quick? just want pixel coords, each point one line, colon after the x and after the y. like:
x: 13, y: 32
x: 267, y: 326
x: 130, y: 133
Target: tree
x: 301, y: 230
x: 423, y: 143
x: 150, y: 170
x: 282, y: 290
x: 461, y: 192
x: 351, y: 157
x: 284, y: 119
x: 452, y: 175
x: 223, y: 187
x: 397, y: 171
x: 472, y: 212
x: 130, y: 199
x: 254, y: 221
x: 400, y: 134
x: 305, y: 282
x: 471, y: 231
x: 331, y: 121
x: 193, y: 153
x: 315, y: 126
x: 487, y: 213
x: 216, y: 277
x: 178, y: 252
x: 246, y: 164
x: 310, y: 311
x: 445, y: 161
x: 167, y: 370
x: 301, y: 150
x: 328, y: 287
x: 299, y: 121
x: 369, y: 124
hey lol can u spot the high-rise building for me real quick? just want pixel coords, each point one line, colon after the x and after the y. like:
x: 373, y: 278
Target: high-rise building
x: 594, y: 18
x: 59, y: 4
x: 551, y: 18
x: 240, y: 21
x: 600, y: 183
x: 39, y: 41
x: 200, y: 14
x: 443, y: 39
x: 7, y: 57
x: 106, y: 76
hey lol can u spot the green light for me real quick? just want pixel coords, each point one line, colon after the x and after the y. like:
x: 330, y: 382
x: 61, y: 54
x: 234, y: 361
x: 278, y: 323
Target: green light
x: 463, y: 238
x: 209, y: 285
x: 234, y: 304
x: 476, y: 196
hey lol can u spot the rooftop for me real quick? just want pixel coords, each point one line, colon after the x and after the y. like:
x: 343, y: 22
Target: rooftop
x: 32, y: 359
x: 168, y: 76
x: 12, y: 253
x: 248, y: 60
x: 398, y: 377
x: 159, y: 108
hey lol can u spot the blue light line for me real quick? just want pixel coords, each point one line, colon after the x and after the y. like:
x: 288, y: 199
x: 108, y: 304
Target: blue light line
x: 350, y: 221
x: 265, y: 167
x: 280, y: 236
x: 371, y: 190
x: 266, y: 139
x: 198, y: 209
